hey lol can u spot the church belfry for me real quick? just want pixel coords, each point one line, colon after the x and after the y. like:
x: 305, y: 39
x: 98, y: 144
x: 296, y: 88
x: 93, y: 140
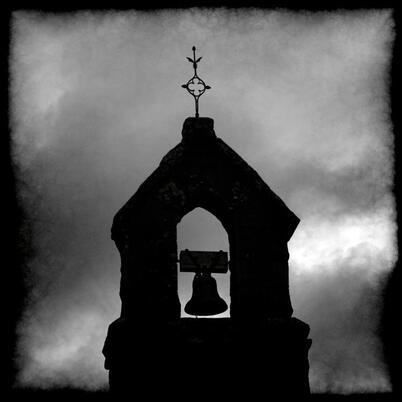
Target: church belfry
x: 261, y: 347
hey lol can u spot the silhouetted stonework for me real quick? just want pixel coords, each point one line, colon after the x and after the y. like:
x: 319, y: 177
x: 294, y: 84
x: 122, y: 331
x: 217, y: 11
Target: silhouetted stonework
x: 203, y: 171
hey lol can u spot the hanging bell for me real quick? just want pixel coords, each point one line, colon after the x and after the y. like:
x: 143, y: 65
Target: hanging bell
x: 205, y: 299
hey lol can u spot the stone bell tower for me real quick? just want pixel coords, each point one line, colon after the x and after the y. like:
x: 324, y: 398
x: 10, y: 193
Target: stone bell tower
x: 261, y: 347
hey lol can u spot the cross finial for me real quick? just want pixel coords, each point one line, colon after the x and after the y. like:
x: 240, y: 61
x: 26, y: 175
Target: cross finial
x: 195, y: 85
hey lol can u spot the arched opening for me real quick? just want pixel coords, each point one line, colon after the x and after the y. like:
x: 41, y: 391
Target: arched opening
x: 200, y: 230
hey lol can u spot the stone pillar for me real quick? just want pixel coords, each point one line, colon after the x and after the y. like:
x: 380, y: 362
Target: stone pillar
x: 209, y: 358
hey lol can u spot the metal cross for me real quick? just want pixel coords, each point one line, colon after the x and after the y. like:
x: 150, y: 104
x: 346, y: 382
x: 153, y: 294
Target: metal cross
x: 195, y: 85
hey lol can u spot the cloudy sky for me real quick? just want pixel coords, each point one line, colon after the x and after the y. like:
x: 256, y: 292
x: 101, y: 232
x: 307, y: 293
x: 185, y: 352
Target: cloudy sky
x: 302, y: 97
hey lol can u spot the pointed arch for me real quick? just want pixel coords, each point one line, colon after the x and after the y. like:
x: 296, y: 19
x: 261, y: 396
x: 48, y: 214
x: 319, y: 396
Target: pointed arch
x: 201, y: 230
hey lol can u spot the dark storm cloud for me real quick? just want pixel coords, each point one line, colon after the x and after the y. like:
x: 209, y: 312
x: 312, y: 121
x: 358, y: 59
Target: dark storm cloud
x: 303, y: 97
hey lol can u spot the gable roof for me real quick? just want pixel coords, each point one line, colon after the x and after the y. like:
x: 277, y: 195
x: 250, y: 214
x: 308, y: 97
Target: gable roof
x: 199, y: 138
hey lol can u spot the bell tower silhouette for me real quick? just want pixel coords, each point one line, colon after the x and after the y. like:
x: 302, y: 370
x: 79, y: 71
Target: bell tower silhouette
x: 261, y: 348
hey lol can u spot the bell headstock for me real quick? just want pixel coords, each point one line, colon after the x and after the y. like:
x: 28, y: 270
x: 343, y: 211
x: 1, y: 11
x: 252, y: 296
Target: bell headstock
x: 204, y: 261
